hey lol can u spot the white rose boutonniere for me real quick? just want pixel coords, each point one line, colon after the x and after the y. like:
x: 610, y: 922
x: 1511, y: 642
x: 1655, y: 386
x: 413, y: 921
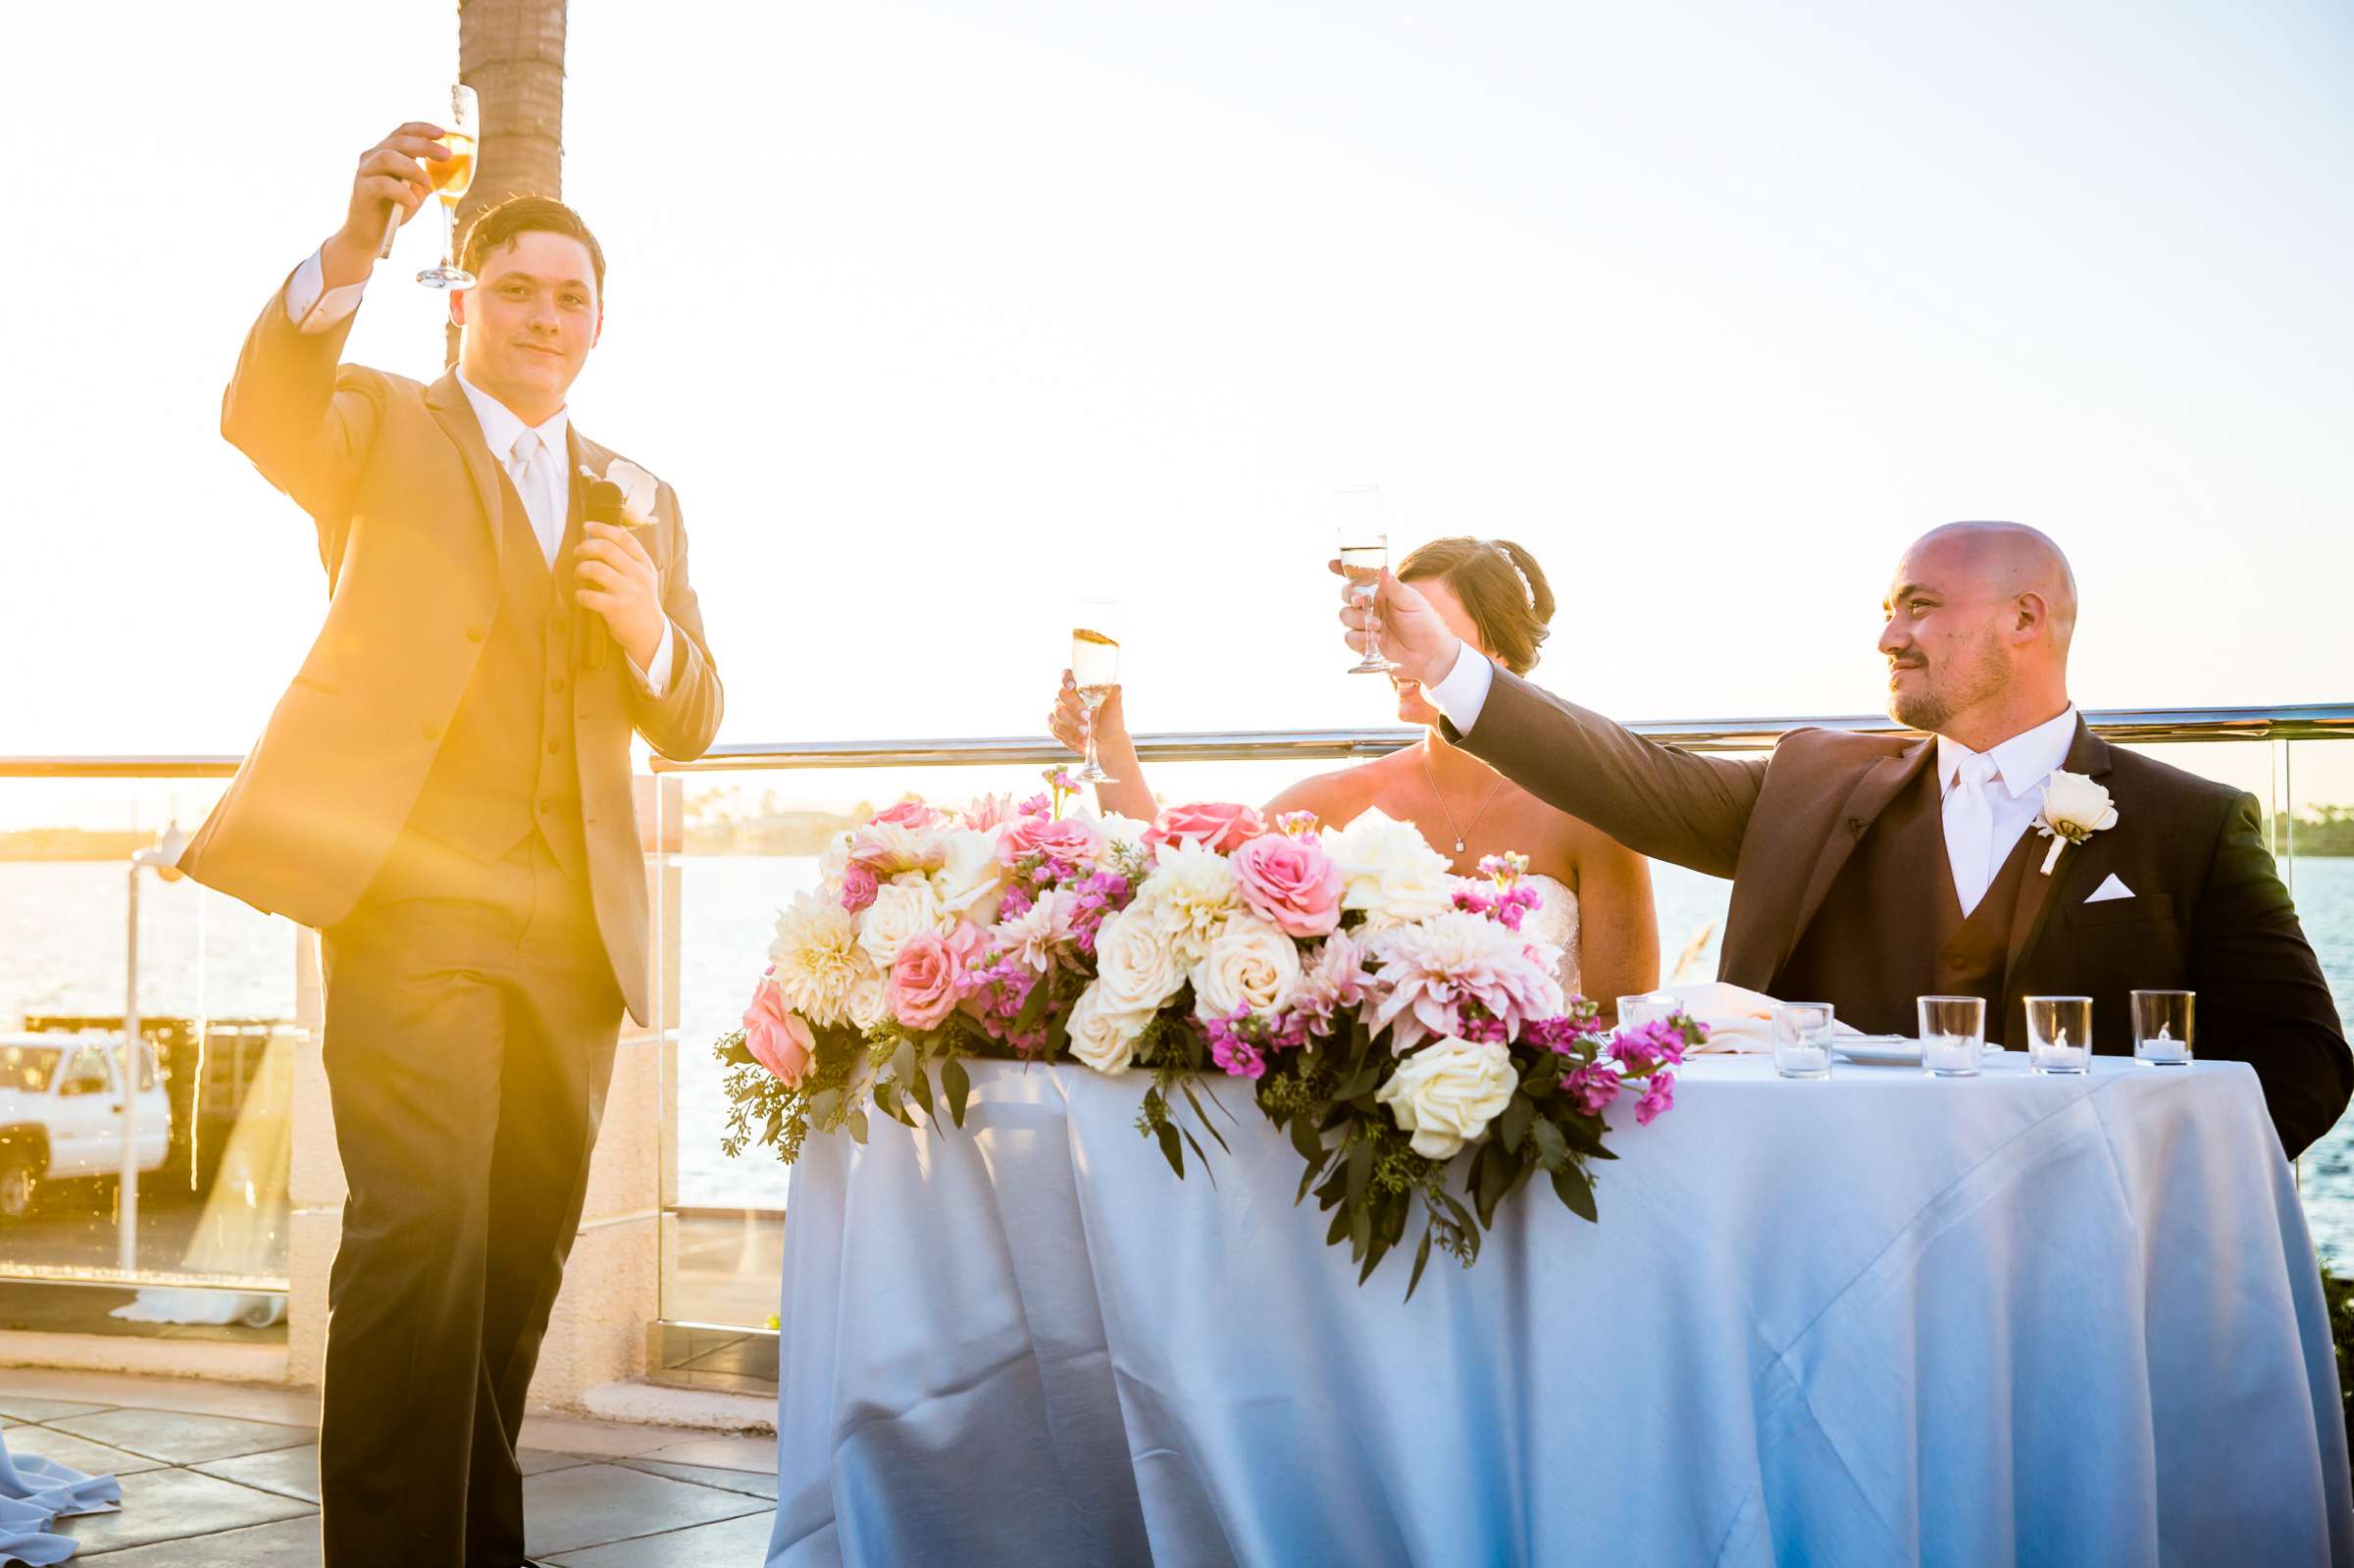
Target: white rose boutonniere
x: 2074, y: 808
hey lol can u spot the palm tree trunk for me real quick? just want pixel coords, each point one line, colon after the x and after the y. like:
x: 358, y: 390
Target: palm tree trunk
x: 511, y: 53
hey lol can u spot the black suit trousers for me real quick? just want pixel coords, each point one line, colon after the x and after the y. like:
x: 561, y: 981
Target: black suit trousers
x: 472, y: 1017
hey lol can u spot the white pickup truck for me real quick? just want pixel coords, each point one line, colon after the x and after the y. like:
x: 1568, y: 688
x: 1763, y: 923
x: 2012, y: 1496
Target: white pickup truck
x: 60, y: 1113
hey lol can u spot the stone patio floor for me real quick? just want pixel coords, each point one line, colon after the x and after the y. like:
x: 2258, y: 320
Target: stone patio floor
x: 226, y: 1476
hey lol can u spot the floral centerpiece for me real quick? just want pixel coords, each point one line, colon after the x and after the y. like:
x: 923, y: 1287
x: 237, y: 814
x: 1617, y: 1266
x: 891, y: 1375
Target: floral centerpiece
x: 1388, y: 1014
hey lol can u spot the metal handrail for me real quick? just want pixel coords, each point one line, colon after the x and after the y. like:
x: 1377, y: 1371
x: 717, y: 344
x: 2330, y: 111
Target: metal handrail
x: 2321, y: 721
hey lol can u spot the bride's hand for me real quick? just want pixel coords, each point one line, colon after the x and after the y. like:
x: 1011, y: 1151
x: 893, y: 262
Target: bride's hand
x: 1068, y: 721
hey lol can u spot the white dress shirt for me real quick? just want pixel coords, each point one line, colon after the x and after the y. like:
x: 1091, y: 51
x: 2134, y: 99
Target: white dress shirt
x: 537, y: 457
x: 2013, y: 792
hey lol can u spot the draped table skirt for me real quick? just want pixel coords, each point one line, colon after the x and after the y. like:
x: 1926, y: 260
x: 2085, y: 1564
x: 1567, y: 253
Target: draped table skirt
x: 1879, y: 1320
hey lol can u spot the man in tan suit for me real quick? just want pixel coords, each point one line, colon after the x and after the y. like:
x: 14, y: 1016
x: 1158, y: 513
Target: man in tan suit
x: 444, y: 792
x: 1871, y: 870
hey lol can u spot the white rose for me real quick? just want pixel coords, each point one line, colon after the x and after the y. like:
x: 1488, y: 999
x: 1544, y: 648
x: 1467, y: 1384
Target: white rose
x: 818, y: 961
x: 1104, y: 1036
x: 639, y: 490
x: 836, y: 859
x: 906, y: 907
x: 1252, y: 963
x: 1389, y: 872
x: 870, y: 1000
x: 1448, y: 1092
x: 2074, y: 800
x: 971, y: 879
x: 1189, y: 896
x: 1136, y: 968
x: 898, y: 847
x: 1123, y: 830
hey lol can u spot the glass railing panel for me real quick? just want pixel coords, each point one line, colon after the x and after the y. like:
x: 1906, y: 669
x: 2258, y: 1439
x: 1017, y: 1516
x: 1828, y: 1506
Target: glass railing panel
x: 2314, y: 836
x: 208, y: 1121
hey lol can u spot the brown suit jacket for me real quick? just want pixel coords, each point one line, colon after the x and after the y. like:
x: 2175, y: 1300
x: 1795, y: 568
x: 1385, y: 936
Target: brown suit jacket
x: 2208, y: 913
x: 406, y: 499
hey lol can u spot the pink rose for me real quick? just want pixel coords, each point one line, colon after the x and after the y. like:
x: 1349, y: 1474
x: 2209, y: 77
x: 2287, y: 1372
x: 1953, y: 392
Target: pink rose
x: 1073, y: 839
x: 1292, y: 882
x: 1217, y: 825
x: 778, y: 1039
x: 924, y: 986
x: 910, y: 814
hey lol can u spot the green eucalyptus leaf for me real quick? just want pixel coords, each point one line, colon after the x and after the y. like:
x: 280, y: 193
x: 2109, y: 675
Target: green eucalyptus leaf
x: 1552, y: 1151
x: 856, y: 1123
x: 1360, y: 1169
x: 1512, y: 1126
x: 1421, y: 1262
x: 1575, y: 1190
x: 957, y: 1086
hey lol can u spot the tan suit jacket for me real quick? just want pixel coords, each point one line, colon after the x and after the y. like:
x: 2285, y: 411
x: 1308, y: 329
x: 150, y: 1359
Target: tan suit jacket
x: 406, y: 501
x: 2208, y: 912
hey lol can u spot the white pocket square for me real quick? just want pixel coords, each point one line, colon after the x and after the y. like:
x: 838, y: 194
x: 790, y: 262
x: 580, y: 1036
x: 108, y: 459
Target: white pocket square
x: 2111, y: 888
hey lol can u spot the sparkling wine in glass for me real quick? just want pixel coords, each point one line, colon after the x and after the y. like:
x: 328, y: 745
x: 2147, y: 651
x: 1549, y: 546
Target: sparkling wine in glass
x: 1365, y: 549
x: 452, y: 178
x: 1094, y: 670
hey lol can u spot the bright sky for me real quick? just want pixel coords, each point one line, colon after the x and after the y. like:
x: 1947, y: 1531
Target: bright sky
x: 938, y: 315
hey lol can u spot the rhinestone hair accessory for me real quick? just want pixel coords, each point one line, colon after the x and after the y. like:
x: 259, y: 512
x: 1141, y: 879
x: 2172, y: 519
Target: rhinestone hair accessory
x: 1528, y: 594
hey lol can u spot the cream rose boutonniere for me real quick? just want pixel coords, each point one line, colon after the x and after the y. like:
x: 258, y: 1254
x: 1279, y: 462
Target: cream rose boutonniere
x: 2074, y: 808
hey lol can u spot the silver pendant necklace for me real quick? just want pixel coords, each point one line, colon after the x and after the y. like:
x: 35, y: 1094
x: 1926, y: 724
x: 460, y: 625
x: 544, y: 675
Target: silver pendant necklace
x: 1460, y: 833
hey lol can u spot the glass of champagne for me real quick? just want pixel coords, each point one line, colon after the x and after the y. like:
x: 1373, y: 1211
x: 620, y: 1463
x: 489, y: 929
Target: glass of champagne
x: 1364, y: 539
x: 452, y: 178
x: 1094, y: 670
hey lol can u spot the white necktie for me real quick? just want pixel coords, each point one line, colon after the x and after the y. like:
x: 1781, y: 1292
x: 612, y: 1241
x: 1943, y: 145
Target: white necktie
x: 523, y: 467
x: 1970, y: 829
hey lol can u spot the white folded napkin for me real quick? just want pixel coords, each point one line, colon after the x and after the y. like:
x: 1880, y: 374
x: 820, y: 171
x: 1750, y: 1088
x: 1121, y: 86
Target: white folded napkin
x: 1739, y: 1020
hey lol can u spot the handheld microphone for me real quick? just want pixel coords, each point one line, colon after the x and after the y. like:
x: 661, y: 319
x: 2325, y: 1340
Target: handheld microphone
x: 603, y: 505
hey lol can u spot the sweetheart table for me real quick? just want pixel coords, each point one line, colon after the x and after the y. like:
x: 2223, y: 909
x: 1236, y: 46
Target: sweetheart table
x: 1876, y: 1320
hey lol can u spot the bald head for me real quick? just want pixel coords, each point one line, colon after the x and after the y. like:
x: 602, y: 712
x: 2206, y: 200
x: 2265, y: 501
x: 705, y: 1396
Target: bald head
x: 2005, y: 559
x: 1980, y: 616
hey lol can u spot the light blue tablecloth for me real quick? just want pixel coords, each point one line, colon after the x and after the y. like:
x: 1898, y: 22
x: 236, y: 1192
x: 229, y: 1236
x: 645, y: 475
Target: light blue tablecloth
x: 1873, y: 1321
x: 35, y: 1493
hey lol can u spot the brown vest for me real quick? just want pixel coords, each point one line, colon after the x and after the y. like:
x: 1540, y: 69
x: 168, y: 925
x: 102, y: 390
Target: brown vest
x: 1891, y: 931
x: 506, y: 767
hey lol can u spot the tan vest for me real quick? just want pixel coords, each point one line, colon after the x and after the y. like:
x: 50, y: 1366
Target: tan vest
x: 1891, y: 931
x: 506, y: 767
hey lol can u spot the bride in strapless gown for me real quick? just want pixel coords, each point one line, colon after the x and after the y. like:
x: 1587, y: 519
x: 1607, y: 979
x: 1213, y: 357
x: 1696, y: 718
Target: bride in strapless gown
x: 1597, y: 907
x: 1554, y: 924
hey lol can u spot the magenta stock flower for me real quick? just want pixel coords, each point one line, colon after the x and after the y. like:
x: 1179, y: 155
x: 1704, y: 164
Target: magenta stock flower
x: 1593, y: 1088
x: 1646, y: 1046
x: 858, y: 886
x: 1659, y: 1097
x: 1291, y: 882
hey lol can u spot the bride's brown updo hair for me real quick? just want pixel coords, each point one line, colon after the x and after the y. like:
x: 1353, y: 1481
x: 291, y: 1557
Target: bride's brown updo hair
x: 1503, y: 589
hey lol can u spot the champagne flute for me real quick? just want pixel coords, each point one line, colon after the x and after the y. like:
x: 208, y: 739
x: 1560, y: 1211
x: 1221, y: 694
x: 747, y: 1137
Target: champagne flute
x: 1094, y: 670
x: 451, y: 178
x: 1364, y: 539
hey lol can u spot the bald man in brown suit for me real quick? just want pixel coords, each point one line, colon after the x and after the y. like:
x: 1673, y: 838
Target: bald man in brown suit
x: 1872, y: 870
